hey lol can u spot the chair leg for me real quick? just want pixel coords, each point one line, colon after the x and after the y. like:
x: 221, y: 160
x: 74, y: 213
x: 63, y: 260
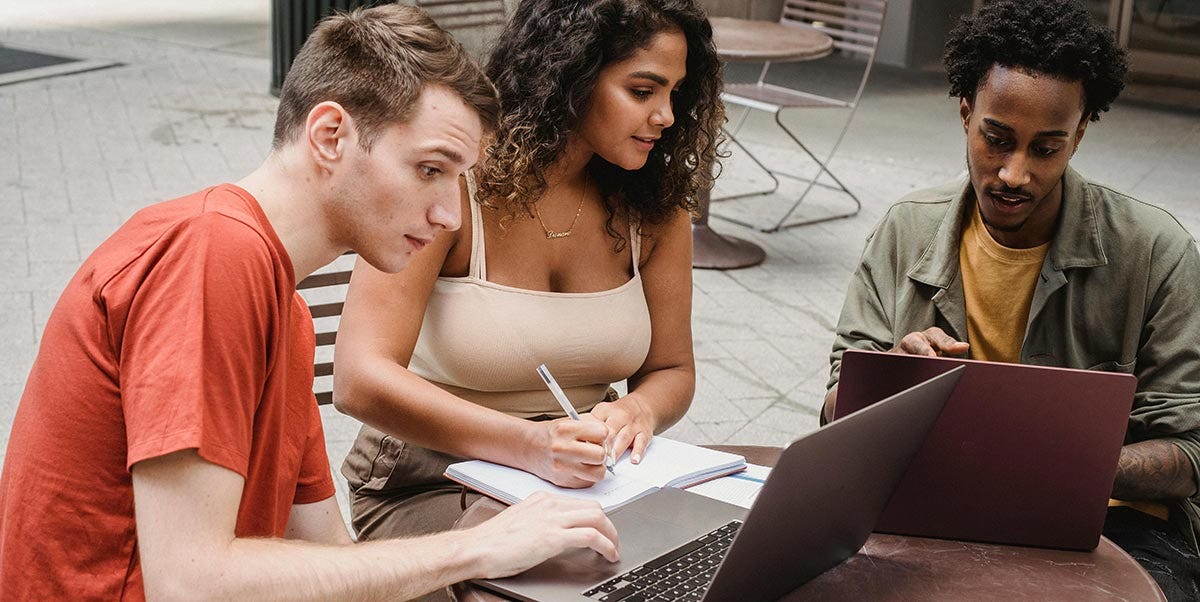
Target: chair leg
x: 823, y: 168
x: 811, y: 182
x: 740, y: 122
x: 770, y: 172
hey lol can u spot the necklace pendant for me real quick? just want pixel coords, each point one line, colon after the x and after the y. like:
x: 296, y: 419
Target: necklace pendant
x: 551, y: 234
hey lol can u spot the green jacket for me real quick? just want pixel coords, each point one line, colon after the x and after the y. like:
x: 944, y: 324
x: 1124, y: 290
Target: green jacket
x: 1119, y: 291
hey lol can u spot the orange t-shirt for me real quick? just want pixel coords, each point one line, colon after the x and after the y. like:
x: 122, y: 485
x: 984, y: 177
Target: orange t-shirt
x: 181, y: 331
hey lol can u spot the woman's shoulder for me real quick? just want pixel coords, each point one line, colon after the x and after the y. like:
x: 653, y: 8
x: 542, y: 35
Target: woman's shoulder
x: 458, y: 256
x: 671, y: 235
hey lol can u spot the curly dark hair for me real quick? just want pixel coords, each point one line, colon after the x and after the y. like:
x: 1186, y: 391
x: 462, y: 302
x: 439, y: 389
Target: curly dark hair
x: 1055, y: 37
x: 545, y: 66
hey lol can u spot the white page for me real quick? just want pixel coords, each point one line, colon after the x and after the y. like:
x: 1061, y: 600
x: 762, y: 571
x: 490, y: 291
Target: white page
x: 609, y: 492
x: 739, y: 489
x: 665, y: 459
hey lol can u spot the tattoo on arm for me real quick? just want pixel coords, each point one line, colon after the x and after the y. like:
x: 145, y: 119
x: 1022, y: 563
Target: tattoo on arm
x: 1153, y: 470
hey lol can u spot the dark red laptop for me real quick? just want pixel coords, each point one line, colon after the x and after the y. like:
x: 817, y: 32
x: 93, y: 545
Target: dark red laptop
x: 1021, y: 454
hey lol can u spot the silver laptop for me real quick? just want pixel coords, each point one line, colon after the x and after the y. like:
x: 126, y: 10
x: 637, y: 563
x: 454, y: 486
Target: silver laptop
x: 816, y: 509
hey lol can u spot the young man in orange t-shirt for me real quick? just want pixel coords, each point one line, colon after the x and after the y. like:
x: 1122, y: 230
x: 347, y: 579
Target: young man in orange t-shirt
x: 167, y: 443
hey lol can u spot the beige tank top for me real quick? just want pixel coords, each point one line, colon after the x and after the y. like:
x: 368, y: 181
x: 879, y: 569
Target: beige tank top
x: 483, y: 341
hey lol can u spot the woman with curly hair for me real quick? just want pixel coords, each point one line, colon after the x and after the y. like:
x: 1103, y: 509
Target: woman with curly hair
x: 575, y: 251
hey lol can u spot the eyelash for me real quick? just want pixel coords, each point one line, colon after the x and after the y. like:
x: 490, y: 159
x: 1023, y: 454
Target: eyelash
x: 996, y: 142
x: 641, y: 94
x: 427, y: 171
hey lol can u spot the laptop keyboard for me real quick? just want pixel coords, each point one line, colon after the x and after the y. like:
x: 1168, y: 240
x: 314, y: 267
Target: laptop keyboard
x: 682, y: 574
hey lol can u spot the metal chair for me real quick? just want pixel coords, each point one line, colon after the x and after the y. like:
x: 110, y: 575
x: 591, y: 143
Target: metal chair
x: 854, y: 26
x: 325, y: 293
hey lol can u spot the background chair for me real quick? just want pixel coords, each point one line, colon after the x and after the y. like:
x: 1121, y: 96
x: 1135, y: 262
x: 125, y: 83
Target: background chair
x: 854, y: 26
x: 325, y: 293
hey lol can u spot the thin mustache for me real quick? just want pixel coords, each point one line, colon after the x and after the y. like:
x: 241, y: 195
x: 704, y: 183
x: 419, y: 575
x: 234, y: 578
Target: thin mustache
x: 1010, y: 192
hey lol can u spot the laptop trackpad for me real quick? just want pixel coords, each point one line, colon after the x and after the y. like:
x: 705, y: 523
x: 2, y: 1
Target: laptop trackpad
x: 648, y: 528
x: 642, y: 538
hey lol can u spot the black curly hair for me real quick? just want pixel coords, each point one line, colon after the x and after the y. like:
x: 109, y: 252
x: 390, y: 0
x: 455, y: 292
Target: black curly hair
x: 545, y: 65
x: 1055, y: 37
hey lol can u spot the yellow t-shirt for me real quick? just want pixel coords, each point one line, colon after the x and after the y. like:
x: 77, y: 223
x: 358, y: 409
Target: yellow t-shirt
x: 998, y: 285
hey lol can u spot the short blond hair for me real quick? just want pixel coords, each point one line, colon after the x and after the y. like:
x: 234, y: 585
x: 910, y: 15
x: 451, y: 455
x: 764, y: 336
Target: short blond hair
x: 375, y: 62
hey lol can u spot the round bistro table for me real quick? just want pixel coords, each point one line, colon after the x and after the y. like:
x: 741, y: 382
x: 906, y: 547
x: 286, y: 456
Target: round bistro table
x: 756, y: 41
x: 901, y: 568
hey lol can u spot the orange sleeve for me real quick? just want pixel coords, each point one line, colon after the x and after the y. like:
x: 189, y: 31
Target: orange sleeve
x: 193, y: 350
x: 316, y: 480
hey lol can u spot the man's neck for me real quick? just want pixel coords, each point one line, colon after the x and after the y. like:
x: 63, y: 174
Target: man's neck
x: 293, y: 202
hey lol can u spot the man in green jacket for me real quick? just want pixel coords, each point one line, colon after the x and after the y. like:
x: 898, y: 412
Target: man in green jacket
x: 1030, y: 262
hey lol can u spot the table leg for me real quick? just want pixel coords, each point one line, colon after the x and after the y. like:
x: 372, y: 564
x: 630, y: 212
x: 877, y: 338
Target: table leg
x: 719, y: 252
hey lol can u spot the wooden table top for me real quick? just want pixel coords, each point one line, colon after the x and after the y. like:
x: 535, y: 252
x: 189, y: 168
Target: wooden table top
x: 900, y: 568
x: 746, y: 40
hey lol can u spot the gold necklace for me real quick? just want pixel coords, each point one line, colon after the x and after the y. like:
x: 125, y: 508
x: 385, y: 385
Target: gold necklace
x: 565, y: 233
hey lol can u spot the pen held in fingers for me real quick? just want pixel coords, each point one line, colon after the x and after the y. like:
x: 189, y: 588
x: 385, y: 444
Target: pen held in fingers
x: 557, y: 392
x: 569, y: 409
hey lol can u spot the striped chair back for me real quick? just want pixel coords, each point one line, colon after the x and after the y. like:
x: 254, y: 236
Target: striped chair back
x: 854, y: 25
x: 325, y: 293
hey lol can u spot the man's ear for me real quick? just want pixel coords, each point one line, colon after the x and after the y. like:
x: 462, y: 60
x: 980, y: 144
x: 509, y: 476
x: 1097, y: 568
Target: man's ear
x: 1079, y: 131
x: 964, y: 111
x: 328, y: 130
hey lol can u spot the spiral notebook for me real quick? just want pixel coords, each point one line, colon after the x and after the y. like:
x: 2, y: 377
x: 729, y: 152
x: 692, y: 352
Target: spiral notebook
x: 666, y: 463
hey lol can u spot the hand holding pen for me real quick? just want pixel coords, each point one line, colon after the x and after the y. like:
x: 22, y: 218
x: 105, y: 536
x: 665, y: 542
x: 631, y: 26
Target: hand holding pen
x: 567, y: 407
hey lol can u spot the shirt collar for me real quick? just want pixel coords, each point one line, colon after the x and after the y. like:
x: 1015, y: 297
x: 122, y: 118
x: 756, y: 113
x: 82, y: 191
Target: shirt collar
x: 1077, y: 242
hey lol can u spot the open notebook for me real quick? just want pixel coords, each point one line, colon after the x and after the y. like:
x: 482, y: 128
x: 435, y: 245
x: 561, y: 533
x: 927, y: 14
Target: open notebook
x: 666, y: 463
x: 739, y: 488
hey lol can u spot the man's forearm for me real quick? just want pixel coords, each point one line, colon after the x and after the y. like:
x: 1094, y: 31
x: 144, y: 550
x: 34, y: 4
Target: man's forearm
x: 395, y: 570
x: 1153, y: 470
x: 273, y: 569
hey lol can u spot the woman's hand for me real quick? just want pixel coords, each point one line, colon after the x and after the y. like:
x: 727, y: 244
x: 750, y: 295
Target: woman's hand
x: 568, y: 453
x: 630, y: 424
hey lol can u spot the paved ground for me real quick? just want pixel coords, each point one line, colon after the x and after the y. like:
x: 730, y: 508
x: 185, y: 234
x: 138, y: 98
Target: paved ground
x: 189, y: 108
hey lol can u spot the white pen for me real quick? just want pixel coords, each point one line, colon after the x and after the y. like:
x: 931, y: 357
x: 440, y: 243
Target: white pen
x: 570, y: 409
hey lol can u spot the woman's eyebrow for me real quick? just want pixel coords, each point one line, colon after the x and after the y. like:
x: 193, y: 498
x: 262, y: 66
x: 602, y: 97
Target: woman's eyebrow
x: 650, y: 75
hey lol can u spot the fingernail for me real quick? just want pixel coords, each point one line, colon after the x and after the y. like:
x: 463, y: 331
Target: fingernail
x: 636, y: 458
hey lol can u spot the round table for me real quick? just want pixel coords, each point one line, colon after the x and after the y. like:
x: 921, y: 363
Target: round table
x: 902, y: 568
x: 758, y: 41
x: 747, y: 40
